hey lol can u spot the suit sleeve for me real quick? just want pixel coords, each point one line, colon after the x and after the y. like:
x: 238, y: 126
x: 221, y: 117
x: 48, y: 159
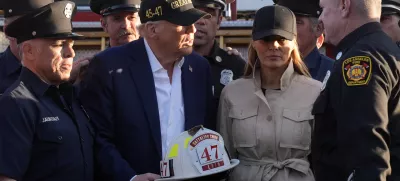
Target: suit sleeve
x: 16, y: 137
x: 362, y: 115
x: 96, y: 95
x: 224, y: 124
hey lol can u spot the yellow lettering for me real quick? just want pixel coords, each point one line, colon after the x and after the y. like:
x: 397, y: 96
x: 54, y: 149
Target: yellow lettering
x: 179, y: 3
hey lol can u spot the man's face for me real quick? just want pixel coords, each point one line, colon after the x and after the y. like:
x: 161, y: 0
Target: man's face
x: 177, y: 39
x: 390, y: 26
x: 306, y: 35
x: 207, y: 27
x: 53, y: 59
x: 331, y: 18
x: 121, y: 27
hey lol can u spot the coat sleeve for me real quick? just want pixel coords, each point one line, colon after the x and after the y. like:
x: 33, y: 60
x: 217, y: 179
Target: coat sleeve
x: 96, y: 95
x: 362, y: 114
x: 224, y: 124
x: 16, y: 137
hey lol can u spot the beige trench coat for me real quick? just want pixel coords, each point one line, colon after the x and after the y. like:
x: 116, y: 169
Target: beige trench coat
x: 271, y: 134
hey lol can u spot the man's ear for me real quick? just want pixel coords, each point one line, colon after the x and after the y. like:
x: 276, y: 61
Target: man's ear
x: 319, y: 29
x: 152, y: 30
x: 103, y: 23
x: 28, y: 49
x: 320, y: 41
x: 219, y: 20
x: 345, y: 7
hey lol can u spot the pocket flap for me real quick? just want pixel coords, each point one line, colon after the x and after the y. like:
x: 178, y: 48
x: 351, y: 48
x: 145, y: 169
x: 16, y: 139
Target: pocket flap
x: 51, y: 136
x: 298, y: 115
x: 242, y: 112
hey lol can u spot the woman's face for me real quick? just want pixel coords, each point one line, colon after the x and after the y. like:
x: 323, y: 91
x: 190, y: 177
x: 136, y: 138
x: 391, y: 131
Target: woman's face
x: 274, y: 51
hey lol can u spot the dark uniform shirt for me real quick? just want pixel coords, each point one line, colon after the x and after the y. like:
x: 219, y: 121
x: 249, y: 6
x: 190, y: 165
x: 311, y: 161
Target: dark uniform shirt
x: 10, y: 68
x: 45, y: 134
x: 318, y: 64
x: 357, y: 114
x: 224, y: 69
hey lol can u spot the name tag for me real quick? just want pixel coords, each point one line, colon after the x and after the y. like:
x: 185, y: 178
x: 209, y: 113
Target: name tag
x: 50, y: 119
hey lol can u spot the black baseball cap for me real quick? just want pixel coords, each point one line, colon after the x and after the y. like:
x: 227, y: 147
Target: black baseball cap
x: 390, y: 7
x: 214, y: 4
x: 20, y: 7
x: 274, y: 20
x: 50, y: 21
x: 179, y: 12
x: 107, y: 7
x: 309, y: 8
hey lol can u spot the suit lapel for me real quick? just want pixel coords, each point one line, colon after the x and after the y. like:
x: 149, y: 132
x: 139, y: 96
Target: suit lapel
x: 189, y: 94
x: 144, y: 80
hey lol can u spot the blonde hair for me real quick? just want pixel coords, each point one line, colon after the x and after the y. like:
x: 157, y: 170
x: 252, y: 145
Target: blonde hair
x: 298, y: 63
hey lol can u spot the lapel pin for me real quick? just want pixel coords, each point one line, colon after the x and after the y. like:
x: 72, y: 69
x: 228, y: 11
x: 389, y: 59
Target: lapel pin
x: 190, y: 68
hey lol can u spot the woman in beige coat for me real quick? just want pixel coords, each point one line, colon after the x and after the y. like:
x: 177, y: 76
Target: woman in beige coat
x: 265, y: 118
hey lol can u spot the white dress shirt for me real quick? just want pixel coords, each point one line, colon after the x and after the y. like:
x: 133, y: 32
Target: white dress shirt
x: 169, y: 99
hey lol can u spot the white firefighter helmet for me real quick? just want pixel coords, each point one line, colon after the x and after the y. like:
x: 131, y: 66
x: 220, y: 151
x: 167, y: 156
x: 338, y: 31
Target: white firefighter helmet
x: 195, y: 153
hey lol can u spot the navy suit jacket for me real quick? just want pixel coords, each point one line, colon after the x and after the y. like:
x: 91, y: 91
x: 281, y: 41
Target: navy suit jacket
x: 119, y: 95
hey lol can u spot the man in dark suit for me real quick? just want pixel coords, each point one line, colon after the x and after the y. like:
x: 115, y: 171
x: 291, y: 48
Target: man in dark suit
x: 143, y: 94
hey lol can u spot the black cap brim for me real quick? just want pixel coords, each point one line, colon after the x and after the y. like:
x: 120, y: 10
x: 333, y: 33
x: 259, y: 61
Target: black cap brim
x: 119, y: 10
x: 187, y: 17
x: 388, y: 12
x: 58, y: 36
x: 273, y: 32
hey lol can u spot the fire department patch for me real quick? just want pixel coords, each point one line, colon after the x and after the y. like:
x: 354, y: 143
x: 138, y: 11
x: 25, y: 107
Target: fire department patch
x: 357, y: 70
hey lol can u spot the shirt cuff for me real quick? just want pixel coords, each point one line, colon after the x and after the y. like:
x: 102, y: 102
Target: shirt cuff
x: 133, y: 178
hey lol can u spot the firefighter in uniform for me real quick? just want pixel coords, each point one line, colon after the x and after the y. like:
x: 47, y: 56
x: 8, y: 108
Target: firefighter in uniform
x: 45, y: 134
x: 390, y: 19
x: 309, y: 30
x: 224, y: 67
x: 119, y: 19
x: 357, y: 132
x: 10, y: 65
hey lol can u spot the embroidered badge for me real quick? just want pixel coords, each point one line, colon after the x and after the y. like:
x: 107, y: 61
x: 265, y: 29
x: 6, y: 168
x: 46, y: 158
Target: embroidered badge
x: 68, y: 10
x: 226, y: 76
x: 357, y: 70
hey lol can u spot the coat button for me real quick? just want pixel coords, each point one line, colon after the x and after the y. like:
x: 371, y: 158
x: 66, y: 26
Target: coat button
x: 269, y: 118
x: 60, y: 138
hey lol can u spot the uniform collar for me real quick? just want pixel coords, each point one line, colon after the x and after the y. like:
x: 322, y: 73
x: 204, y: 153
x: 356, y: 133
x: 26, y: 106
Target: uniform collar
x: 349, y: 40
x: 286, y: 78
x: 12, y: 64
x: 312, y: 58
x: 214, y: 52
x: 40, y: 87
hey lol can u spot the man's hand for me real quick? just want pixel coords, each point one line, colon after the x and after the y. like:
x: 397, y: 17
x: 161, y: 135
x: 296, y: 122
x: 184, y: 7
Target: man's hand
x: 146, y: 177
x: 231, y: 51
x: 76, y: 68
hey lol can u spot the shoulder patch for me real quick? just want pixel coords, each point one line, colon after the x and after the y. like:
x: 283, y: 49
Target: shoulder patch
x: 357, y: 70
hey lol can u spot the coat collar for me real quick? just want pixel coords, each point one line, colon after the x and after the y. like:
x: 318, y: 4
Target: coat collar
x: 286, y: 78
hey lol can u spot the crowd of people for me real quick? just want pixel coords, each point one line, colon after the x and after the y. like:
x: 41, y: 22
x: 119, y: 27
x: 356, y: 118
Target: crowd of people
x: 165, y: 102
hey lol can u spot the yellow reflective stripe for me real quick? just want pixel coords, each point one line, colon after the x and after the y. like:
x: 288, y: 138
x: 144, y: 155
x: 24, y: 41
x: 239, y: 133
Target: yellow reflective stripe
x: 173, y: 152
x: 187, y: 141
